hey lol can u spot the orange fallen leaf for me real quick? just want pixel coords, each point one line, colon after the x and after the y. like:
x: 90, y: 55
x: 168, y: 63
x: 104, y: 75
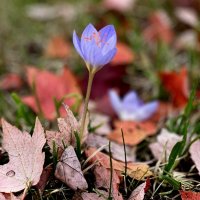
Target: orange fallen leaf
x: 11, y: 82
x: 137, y: 171
x: 124, y: 55
x: 57, y: 47
x: 49, y: 86
x: 189, y: 195
x: 134, y: 132
x: 159, y: 28
x: 176, y: 83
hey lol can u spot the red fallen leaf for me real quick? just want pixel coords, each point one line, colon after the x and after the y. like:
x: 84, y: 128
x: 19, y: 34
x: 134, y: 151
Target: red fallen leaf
x: 176, y: 83
x: 159, y: 28
x: 189, y: 195
x: 124, y: 55
x: 134, y: 132
x: 49, y: 86
x: 58, y: 48
x: 11, y: 82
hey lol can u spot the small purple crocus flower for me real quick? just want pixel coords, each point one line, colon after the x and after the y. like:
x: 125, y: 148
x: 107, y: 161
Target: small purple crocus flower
x: 131, y: 107
x: 97, y: 48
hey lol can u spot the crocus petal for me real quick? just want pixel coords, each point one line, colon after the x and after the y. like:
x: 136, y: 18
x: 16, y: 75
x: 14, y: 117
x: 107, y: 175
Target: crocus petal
x: 108, y: 38
x: 77, y: 44
x: 145, y: 111
x: 101, y: 60
x: 88, y: 41
x: 115, y: 101
x: 131, y: 99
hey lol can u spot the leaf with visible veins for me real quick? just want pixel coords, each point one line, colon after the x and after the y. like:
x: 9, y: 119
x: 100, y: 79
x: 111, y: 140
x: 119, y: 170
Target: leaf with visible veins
x: 25, y: 157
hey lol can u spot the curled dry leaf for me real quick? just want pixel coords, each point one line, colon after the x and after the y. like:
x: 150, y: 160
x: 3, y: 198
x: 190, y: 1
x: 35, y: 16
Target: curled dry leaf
x: 139, y: 192
x: 102, y: 176
x: 68, y: 170
x: 194, y: 152
x: 165, y: 142
x: 48, y: 87
x: 25, y: 157
x: 190, y: 195
x: 117, y: 150
x: 57, y: 47
x: 137, y: 171
x: 67, y: 127
x: 134, y: 132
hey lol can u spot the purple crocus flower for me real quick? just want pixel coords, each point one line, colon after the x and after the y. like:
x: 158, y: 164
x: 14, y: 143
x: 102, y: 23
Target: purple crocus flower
x: 131, y: 107
x: 97, y: 48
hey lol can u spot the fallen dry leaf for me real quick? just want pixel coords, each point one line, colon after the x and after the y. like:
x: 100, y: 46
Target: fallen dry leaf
x: 194, y: 152
x: 176, y: 83
x: 57, y: 47
x: 102, y: 180
x: 137, y: 171
x: 48, y: 87
x: 139, y: 192
x: 9, y: 196
x: 189, y: 195
x: 68, y: 170
x: 134, y: 132
x: 117, y: 150
x: 11, y: 82
x: 165, y: 142
x: 123, y: 56
x: 65, y: 137
x: 159, y: 28
x: 25, y: 157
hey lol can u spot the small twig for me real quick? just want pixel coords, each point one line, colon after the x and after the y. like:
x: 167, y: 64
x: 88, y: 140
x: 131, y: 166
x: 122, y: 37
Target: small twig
x: 125, y: 172
x: 111, y: 173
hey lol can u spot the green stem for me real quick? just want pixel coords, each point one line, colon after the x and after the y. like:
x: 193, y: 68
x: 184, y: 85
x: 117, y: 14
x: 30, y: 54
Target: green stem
x: 89, y: 86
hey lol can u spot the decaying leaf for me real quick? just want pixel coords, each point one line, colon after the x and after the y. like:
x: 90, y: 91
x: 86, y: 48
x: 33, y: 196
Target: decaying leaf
x: 134, y: 132
x: 194, y: 152
x: 9, y: 196
x: 176, y: 83
x: 102, y: 180
x: 139, y: 192
x: 137, y: 171
x: 68, y: 170
x: 94, y: 196
x: 190, y: 195
x: 165, y: 142
x: 25, y: 157
x: 48, y: 87
x: 117, y: 150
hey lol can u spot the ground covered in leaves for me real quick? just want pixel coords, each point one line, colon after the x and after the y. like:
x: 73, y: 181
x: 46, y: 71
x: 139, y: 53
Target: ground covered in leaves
x: 142, y: 133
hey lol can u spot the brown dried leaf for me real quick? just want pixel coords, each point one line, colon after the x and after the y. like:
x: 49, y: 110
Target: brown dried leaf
x: 25, y: 157
x: 134, y: 132
x: 68, y: 170
x: 135, y: 170
x: 194, y: 151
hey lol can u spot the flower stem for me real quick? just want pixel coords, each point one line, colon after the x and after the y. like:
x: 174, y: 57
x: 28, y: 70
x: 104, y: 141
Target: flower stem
x: 89, y: 86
